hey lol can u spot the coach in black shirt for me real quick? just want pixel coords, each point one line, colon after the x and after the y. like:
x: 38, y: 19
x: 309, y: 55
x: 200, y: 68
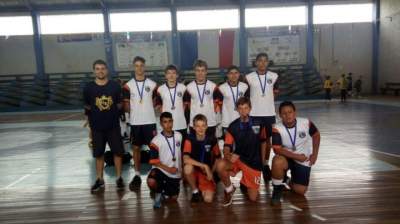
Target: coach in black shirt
x: 102, y: 99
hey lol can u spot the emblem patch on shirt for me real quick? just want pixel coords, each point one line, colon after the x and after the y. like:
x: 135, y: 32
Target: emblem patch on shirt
x: 207, y: 92
x: 302, y: 134
x: 241, y: 93
x: 256, y: 129
x: 104, y: 102
x: 208, y: 148
x: 269, y: 81
x: 180, y: 94
x: 147, y: 88
x: 178, y: 144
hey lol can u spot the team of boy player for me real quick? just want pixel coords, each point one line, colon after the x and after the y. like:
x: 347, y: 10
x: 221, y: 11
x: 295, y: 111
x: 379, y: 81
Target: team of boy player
x: 248, y: 121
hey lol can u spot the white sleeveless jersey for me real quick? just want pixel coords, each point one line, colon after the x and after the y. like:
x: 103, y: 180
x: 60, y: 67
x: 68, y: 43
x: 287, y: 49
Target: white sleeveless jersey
x: 303, y: 139
x: 165, y: 155
x: 229, y: 113
x: 207, y: 107
x: 262, y: 104
x: 142, y: 111
x: 177, y: 110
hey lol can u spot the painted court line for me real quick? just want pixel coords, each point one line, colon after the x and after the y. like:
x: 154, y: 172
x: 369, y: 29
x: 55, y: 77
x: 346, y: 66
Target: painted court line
x: 385, y: 153
x: 295, y: 208
x: 316, y: 216
x: 65, y: 117
x: 319, y: 217
x: 22, y: 178
x: 127, y: 196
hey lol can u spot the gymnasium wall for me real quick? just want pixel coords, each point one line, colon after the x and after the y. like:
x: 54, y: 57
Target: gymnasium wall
x: 339, y: 48
x: 17, y: 55
x: 344, y: 48
x: 389, y: 55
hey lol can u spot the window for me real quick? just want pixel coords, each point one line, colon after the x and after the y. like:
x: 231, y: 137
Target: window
x: 16, y: 25
x: 349, y: 13
x: 72, y: 23
x: 144, y: 21
x: 276, y: 16
x: 208, y: 19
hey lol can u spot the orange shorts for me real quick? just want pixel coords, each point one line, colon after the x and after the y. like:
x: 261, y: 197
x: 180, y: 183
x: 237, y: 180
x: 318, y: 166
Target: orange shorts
x: 203, y: 183
x: 251, y: 178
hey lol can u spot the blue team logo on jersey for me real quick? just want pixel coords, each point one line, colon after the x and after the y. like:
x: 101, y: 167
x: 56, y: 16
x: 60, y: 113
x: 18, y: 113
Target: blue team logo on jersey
x: 207, y: 92
x: 256, y: 129
x: 302, y: 134
x: 269, y: 81
x: 241, y: 94
x: 208, y: 148
x: 180, y: 94
x: 178, y: 144
x: 147, y: 88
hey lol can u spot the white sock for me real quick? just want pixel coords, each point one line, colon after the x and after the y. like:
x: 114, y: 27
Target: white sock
x: 137, y: 173
x: 195, y: 191
x: 277, y: 182
x: 229, y: 189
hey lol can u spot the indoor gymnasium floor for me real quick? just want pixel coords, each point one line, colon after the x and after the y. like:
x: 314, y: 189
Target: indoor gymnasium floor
x: 46, y: 171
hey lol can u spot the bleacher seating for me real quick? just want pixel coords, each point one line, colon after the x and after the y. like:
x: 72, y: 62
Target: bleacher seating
x: 65, y: 89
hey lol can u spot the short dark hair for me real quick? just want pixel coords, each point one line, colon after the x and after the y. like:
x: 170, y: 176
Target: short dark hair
x: 286, y: 104
x: 199, y: 117
x: 99, y: 62
x: 171, y: 67
x: 260, y: 55
x: 165, y: 115
x: 232, y: 67
x: 243, y: 100
x: 138, y: 58
x: 200, y: 63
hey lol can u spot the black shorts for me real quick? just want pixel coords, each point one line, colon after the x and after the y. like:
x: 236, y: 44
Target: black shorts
x: 267, y: 121
x: 211, y: 131
x: 184, y: 135
x: 165, y: 184
x: 143, y: 134
x: 112, y: 137
x: 299, y: 174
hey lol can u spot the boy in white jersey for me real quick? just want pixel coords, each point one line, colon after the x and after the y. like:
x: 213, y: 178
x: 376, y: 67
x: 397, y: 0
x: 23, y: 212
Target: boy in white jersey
x: 263, y: 87
x: 165, y: 156
x: 170, y: 96
x: 231, y: 91
x: 139, y: 93
x: 203, y: 97
x: 295, y: 142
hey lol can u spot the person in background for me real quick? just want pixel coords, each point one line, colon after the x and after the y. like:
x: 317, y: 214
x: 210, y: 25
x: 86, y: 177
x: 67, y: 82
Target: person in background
x: 328, y: 88
x: 342, y: 83
x: 349, y: 84
x: 358, y: 86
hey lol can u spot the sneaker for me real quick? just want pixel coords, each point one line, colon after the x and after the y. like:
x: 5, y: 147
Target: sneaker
x: 196, y: 197
x: 98, y: 185
x: 277, y: 194
x: 267, y: 175
x: 228, y: 197
x: 135, y: 183
x: 157, y: 200
x: 243, y: 188
x: 120, y: 183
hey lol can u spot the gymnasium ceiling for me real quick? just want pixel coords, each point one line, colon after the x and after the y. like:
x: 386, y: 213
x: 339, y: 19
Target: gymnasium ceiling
x: 54, y: 5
